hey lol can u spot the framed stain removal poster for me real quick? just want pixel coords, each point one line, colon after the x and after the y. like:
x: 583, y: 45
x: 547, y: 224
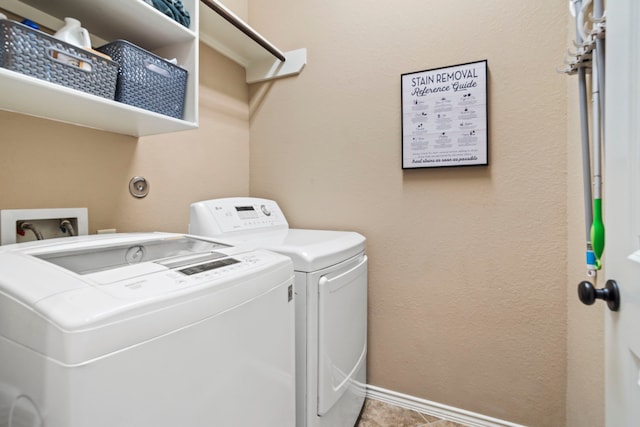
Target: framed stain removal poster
x: 444, y: 117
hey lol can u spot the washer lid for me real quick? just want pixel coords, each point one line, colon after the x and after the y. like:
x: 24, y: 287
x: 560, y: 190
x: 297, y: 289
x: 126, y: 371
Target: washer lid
x: 310, y: 250
x: 169, y: 251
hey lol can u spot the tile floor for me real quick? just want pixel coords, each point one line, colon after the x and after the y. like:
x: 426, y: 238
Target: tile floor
x: 380, y: 414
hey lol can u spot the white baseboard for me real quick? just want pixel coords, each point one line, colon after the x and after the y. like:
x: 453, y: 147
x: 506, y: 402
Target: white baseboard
x: 439, y: 410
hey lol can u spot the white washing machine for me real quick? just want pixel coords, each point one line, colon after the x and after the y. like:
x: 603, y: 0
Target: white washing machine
x: 141, y: 330
x: 331, y: 302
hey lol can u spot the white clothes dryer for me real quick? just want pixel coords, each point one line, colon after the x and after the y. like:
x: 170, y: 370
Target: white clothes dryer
x: 331, y: 301
x: 151, y: 329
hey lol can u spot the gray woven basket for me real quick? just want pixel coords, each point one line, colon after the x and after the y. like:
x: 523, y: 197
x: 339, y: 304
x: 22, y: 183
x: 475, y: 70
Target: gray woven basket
x: 146, y: 80
x: 36, y: 54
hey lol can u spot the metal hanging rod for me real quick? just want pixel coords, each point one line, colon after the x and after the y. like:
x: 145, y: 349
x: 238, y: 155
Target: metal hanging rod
x: 242, y: 26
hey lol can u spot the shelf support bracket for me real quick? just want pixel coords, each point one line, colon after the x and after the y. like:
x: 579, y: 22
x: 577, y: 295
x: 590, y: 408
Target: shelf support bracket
x: 270, y: 69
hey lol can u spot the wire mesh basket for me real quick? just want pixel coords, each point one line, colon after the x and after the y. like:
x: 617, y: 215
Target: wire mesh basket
x: 146, y: 80
x: 36, y: 54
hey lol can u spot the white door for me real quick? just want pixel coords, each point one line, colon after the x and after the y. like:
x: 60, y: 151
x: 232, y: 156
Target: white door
x: 622, y: 213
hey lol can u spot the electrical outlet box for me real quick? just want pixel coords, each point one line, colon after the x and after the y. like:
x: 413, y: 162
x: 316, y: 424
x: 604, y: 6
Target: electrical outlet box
x: 47, y: 222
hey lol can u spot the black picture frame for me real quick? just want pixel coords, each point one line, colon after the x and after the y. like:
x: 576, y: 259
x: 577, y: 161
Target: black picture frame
x: 444, y: 116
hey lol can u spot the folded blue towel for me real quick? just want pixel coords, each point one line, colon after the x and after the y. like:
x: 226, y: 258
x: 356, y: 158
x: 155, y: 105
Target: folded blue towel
x: 174, y: 9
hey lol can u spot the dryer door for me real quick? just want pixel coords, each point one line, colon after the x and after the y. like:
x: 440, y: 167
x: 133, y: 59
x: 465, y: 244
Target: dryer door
x: 342, y: 330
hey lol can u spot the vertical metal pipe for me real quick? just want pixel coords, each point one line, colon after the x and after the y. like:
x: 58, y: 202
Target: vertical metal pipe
x: 584, y: 132
x: 591, y: 261
x: 595, y: 134
x: 598, y: 12
x: 586, y: 152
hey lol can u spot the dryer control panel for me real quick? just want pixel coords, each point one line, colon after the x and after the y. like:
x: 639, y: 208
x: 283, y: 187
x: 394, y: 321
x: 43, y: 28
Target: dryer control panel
x: 235, y: 214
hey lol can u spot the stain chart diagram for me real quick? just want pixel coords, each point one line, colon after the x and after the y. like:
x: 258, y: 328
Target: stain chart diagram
x: 444, y: 117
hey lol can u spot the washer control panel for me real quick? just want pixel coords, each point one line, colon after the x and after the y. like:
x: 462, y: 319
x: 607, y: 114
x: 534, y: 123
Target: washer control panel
x: 164, y: 280
x: 221, y: 216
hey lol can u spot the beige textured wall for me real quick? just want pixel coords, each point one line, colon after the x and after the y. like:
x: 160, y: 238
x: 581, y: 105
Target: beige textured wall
x: 468, y: 265
x: 46, y: 164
